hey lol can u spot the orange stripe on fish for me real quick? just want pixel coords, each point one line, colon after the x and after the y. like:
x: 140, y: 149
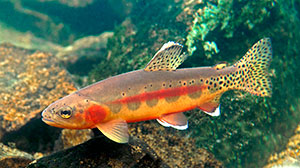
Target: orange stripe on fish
x: 110, y: 104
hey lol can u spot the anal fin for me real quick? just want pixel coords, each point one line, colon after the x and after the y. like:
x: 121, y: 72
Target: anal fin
x: 175, y: 120
x: 115, y: 130
x: 211, y: 108
x: 215, y: 112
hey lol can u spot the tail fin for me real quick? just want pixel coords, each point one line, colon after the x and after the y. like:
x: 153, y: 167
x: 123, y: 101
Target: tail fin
x: 253, y: 68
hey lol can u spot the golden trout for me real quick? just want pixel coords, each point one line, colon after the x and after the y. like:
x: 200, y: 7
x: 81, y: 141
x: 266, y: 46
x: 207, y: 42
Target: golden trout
x: 160, y: 91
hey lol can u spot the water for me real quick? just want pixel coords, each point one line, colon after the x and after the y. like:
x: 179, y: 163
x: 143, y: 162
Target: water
x: 250, y: 129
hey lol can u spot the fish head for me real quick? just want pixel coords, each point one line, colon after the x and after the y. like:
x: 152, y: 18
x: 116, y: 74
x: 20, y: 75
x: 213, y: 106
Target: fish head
x: 70, y: 112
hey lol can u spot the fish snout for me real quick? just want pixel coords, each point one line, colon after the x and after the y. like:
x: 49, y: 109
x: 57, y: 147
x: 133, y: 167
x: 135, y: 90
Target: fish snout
x: 47, y: 115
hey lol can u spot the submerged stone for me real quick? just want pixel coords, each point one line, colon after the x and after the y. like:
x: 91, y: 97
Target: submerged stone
x: 29, y: 81
x: 69, y: 138
x: 80, y: 56
x: 14, y: 162
x: 289, y: 156
x: 172, y: 146
x: 102, y: 152
x: 11, y: 157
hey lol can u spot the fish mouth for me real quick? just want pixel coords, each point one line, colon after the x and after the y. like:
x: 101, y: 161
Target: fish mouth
x: 51, y: 122
x: 47, y: 120
x: 46, y: 117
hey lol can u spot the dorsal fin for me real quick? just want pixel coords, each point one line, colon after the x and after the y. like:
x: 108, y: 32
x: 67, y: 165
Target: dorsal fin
x: 168, y: 58
x: 220, y: 66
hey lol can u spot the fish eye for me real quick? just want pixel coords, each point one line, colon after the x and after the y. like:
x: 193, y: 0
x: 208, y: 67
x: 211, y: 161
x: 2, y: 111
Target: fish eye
x: 65, y: 113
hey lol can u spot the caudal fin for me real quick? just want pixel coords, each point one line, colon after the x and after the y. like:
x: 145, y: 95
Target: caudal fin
x: 254, y: 66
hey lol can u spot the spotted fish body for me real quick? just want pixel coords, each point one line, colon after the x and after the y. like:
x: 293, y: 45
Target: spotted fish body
x: 160, y: 91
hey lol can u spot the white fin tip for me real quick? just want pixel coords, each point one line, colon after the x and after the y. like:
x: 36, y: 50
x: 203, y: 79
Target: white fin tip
x: 215, y: 113
x: 179, y: 127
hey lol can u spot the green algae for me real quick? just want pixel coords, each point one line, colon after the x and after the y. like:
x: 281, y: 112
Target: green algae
x: 224, y: 16
x: 205, y: 21
x: 252, y: 127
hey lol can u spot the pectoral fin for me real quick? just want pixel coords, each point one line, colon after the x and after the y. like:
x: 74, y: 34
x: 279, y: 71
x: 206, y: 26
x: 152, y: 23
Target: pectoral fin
x: 176, y: 120
x: 115, y: 130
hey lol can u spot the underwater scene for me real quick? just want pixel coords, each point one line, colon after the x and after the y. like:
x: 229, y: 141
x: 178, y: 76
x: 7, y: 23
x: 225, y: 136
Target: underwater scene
x: 183, y: 83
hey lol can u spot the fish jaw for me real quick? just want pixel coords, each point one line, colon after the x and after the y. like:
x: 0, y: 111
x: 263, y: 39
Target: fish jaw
x: 47, y: 116
x: 51, y: 123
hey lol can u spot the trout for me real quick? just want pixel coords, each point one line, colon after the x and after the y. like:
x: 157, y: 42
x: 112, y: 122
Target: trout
x: 160, y: 91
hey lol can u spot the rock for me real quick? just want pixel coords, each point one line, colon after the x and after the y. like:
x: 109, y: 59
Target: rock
x: 171, y: 145
x: 14, y: 162
x: 29, y: 82
x: 86, y: 43
x: 289, y: 157
x: 102, y: 152
x: 69, y: 138
x: 84, y: 53
x: 34, y: 136
x: 13, y: 158
x: 26, y: 40
x: 75, y: 3
x: 6, y: 151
